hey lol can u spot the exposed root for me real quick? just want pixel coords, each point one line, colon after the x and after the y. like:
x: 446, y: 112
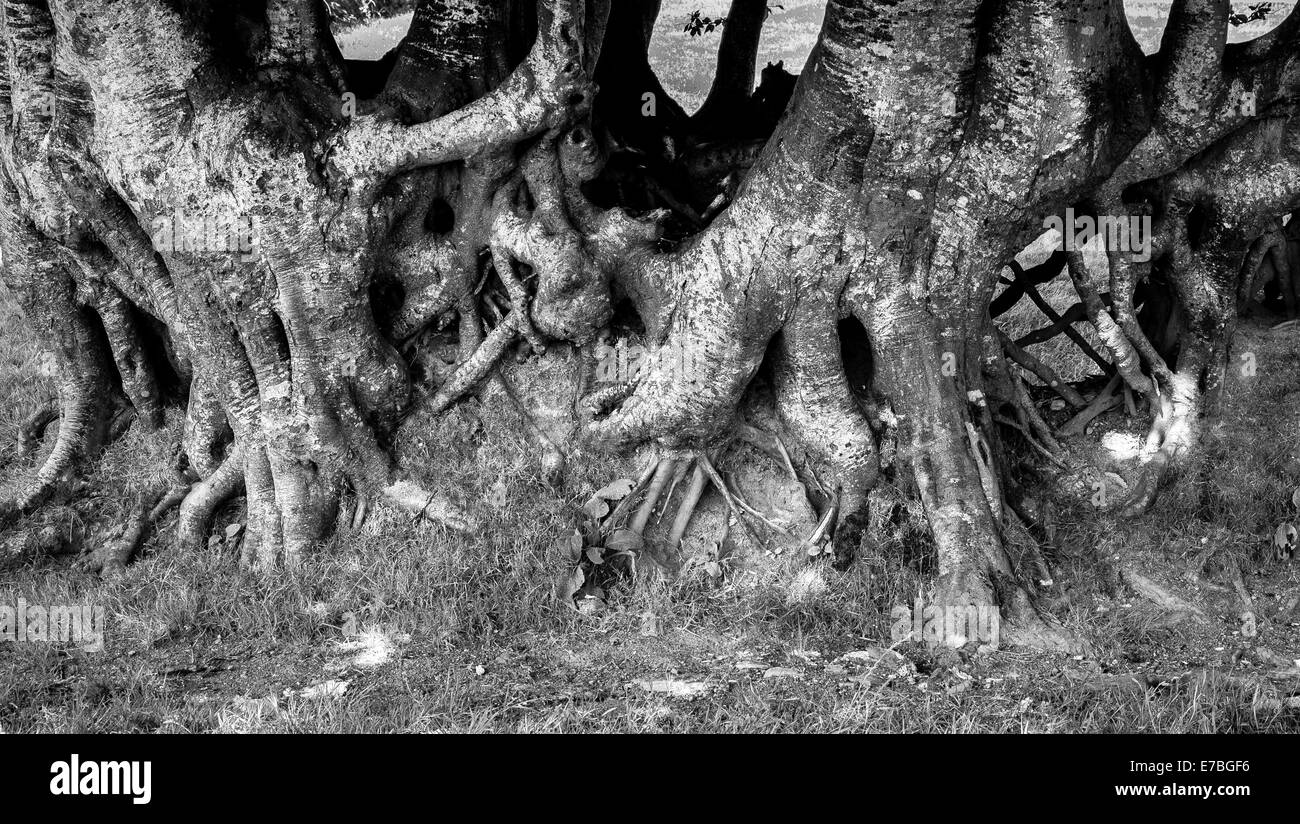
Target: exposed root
x: 818, y: 407
x: 81, y: 429
x: 112, y: 557
x: 205, y: 426
x: 769, y: 443
x: 643, y: 481
x: 825, y: 527
x: 1041, y: 633
x: 484, y: 359
x: 734, y: 501
x: 1105, y: 400
x: 1042, y: 370
x: 663, y: 472
x: 740, y: 506
x: 1158, y: 595
x: 359, y: 514
x: 1127, y: 360
x: 1028, y: 416
x: 429, y: 506
x: 1174, y: 434
x: 1031, y: 564
x: 124, y: 336
x: 32, y: 429
x: 121, y: 423
x: 1031, y: 439
x: 203, y: 499
x: 519, y: 300
x: 699, y: 482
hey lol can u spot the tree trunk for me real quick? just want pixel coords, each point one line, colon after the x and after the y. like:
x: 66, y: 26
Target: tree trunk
x: 215, y: 174
x: 728, y: 105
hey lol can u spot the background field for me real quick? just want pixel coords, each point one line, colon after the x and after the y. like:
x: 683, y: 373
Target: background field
x: 685, y: 64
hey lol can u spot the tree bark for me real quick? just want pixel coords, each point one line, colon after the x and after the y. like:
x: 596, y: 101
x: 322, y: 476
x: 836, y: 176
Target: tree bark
x: 222, y: 181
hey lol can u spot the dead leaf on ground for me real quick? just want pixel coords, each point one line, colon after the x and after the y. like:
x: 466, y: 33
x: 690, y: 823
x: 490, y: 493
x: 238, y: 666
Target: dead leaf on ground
x: 673, y: 687
x: 569, y: 586
x: 615, y: 490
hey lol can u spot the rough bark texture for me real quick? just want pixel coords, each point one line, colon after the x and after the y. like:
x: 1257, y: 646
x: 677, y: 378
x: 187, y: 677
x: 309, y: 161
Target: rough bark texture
x: 218, y: 185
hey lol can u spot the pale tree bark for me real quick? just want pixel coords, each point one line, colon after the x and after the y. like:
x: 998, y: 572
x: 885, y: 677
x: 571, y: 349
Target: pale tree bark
x: 346, y: 209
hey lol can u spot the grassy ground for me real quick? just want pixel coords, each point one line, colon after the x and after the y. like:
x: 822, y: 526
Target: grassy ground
x: 407, y: 627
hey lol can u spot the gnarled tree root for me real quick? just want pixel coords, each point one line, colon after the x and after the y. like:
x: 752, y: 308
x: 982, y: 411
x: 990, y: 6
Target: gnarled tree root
x: 1158, y: 595
x: 202, y: 500
x: 112, y: 557
x: 34, y: 425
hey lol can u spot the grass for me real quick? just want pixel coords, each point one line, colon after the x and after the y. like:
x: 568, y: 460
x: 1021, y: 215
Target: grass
x: 408, y: 627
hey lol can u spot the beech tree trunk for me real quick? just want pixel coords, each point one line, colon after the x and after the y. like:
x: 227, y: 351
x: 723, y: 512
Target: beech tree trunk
x: 728, y: 102
x: 216, y: 180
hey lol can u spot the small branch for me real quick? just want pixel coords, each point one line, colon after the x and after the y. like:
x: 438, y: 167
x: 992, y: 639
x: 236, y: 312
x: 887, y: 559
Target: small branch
x: 1042, y: 273
x: 1027, y: 283
x: 1042, y: 371
x: 428, y: 506
x: 1127, y: 360
x: 1105, y: 399
x: 475, y: 369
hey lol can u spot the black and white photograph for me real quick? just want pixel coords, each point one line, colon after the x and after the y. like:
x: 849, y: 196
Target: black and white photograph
x: 650, y: 366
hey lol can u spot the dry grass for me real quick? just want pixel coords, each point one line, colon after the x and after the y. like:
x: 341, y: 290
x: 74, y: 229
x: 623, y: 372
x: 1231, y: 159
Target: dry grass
x: 429, y: 631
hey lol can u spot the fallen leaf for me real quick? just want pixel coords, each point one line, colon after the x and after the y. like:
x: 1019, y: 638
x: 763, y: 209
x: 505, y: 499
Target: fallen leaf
x: 677, y: 689
x: 570, y: 546
x: 1284, y: 536
x: 596, y: 508
x: 372, y: 648
x: 871, y: 656
x: 570, y: 586
x: 496, y: 496
x: 615, y: 490
x: 1249, y: 628
x: 325, y: 689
